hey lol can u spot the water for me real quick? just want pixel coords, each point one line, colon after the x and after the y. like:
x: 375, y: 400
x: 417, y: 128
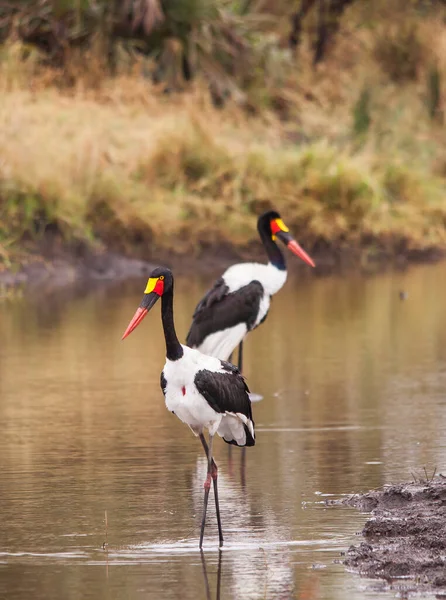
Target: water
x: 353, y: 380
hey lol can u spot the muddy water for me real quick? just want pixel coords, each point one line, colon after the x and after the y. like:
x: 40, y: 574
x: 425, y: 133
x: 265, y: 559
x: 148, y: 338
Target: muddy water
x: 353, y: 380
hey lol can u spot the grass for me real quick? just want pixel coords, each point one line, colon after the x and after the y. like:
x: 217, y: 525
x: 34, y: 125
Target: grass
x: 358, y: 161
x: 10, y: 293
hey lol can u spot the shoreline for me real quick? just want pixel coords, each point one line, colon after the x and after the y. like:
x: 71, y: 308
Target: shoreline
x: 404, y: 540
x: 53, y: 265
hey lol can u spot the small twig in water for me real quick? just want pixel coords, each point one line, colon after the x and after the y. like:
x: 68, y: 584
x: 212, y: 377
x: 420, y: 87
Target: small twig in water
x: 430, y: 479
x: 105, y: 544
x: 266, y: 571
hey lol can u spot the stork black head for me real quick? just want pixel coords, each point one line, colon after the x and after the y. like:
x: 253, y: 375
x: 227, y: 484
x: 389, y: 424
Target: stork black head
x: 271, y: 227
x: 159, y: 283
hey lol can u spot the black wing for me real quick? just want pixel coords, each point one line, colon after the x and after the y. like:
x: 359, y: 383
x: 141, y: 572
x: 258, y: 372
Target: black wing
x: 163, y: 383
x: 215, y: 294
x: 219, y: 310
x: 226, y: 392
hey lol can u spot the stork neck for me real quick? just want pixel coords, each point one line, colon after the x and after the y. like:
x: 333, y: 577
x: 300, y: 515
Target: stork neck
x: 174, y: 350
x: 273, y: 251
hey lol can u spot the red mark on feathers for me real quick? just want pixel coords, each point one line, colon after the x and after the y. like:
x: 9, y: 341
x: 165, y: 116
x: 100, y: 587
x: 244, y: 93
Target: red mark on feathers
x: 183, y: 389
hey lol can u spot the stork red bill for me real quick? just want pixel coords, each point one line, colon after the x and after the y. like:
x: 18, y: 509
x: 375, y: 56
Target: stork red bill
x: 136, y: 320
x: 300, y: 252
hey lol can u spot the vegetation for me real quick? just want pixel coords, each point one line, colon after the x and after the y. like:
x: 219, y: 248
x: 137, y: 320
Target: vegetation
x: 148, y: 124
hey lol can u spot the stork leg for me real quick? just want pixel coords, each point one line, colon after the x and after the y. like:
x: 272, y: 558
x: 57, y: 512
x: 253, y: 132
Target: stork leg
x: 229, y: 445
x: 243, y: 468
x: 240, y: 368
x: 212, y: 473
x: 240, y: 357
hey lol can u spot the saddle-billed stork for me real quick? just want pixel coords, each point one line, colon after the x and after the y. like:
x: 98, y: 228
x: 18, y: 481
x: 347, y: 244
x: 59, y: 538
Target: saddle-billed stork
x: 202, y: 391
x: 239, y: 301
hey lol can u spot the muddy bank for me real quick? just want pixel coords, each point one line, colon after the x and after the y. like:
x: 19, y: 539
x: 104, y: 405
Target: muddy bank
x: 54, y: 273
x: 67, y: 268
x: 52, y: 266
x: 53, y: 263
x: 405, y: 538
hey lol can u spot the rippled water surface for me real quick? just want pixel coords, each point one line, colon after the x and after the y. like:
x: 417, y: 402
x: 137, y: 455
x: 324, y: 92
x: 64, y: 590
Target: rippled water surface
x: 353, y: 380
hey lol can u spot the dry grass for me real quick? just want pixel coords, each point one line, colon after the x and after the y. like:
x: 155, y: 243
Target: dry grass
x: 122, y: 164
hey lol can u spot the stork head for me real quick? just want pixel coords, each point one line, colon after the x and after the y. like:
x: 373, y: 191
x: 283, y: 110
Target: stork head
x: 271, y: 225
x: 160, y: 282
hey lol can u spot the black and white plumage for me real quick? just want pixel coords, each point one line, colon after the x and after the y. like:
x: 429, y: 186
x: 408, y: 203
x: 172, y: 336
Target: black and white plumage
x: 202, y: 391
x: 239, y: 301
x: 207, y: 393
x: 226, y: 314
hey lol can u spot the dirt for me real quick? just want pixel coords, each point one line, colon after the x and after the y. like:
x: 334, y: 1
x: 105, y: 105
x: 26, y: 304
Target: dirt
x: 53, y: 263
x: 51, y: 274
x: 405, y: 538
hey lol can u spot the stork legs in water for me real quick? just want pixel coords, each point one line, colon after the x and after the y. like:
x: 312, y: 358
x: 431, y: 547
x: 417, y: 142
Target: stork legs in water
x: 212, y: 473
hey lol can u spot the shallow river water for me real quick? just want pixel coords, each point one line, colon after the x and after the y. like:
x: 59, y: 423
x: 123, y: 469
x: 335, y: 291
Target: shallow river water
x: 353, y: 380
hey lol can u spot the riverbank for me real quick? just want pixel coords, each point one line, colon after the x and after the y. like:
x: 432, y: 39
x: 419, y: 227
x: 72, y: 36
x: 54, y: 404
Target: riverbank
x: 51, y: 265
x: 170, y: 179
x: 350, y: 152
x: 405, y: 539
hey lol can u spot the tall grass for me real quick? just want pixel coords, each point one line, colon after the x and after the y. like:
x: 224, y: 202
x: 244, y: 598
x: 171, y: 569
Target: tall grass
x: 351, y: 153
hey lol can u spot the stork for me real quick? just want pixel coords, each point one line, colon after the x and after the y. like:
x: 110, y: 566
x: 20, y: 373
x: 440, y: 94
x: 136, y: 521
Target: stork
x: 239, y: 301
x: 202, y: 391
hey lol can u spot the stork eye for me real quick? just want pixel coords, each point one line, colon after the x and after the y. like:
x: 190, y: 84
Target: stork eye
x: 161, y: 277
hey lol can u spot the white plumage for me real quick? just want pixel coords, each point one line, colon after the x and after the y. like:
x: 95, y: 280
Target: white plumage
x: 221, y: 343
x: 188, y: 404
x: 240, y: 300
x: 271, y: 278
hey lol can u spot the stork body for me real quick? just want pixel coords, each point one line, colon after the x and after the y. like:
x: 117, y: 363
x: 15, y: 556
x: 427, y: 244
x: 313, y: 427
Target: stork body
x: 207, y: 393
x: 240, y: 300
x: 202, y: 391
x: 238, y: 303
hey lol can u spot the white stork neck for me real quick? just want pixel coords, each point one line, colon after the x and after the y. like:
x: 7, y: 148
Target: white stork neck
x: 275, y: 279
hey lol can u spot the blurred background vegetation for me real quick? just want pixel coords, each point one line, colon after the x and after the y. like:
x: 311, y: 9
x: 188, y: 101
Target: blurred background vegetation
x: 128, y: 122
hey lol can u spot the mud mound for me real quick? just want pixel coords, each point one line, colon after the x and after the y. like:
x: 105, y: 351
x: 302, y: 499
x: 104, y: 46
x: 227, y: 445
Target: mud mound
x: 406, y: 536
